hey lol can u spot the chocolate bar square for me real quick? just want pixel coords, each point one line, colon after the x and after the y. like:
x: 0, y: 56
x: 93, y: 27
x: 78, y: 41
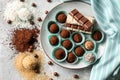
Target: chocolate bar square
x: 87, y: 25
x: 82, y: 20
x: 73, y: 12
x: 74, y: 26
x: 78, y: 16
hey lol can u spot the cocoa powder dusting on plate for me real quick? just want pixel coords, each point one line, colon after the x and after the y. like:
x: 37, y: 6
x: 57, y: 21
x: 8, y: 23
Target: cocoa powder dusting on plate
x: 24, y: 39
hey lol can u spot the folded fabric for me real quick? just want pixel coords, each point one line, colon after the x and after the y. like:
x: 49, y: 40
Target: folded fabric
x: 107, y: 13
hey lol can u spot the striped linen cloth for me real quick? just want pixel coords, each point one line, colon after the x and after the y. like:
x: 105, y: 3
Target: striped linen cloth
x: 107, y: 14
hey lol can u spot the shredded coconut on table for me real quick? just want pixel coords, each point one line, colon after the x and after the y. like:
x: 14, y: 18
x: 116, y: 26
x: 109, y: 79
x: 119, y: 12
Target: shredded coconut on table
x: 20, y: 13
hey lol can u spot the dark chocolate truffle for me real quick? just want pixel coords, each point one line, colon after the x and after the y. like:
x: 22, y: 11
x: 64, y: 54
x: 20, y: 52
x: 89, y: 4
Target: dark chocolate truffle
x: 61, y: 18
x: 54, y: 40
x: 67, y: 44
x: 89, y: 45
x: 53, y: 28
x: 97, y: 35
x: 79, y: 51
x: 60, y: 54
x: 71, y: 57
x: 77, y: 38
x: 65, y: 33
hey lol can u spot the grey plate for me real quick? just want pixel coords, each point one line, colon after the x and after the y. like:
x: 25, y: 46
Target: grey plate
x: 67, y: 7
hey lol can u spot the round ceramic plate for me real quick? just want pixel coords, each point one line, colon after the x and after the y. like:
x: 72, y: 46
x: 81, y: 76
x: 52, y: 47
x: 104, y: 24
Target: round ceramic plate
x: 67, y: 7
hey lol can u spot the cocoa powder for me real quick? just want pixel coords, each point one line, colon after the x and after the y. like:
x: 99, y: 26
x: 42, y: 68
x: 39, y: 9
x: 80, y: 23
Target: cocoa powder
x: 24, y: 39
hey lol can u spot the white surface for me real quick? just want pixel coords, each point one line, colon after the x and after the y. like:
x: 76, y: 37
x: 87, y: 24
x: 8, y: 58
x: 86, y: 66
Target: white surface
x: 7, y: 70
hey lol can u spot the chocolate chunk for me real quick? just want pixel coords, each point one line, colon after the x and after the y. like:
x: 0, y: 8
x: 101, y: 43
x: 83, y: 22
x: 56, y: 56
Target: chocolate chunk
x: 22, y: 0
x: 32, y: 22
x: 83, y: 20
x: 9, y: 22
x: 49, y: 1
x: 34, y: 5
x: 56, y: 74
x: 39, y: 19
x: 36, y: 71
x: 46, y: 12
x: 36, y: 56
x: 50, y: 63
x: 73, y: 12
x: 76, y: 76
x: 87, y: 25
x: 78, y: 16
x: 51, y: 79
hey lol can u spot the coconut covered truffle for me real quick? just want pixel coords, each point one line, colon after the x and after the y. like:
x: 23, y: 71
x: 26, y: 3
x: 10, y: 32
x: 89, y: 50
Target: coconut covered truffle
x: 71, y: 57
x: 79, y: 51
x: 67, y: 44
x: 89, y: 57
x: 65, y: 33
x: 54, y: 40
x: 89, y: 45
x: 61, y: 17
x: 77, y: 38
x: 53, y: 28
x: 24, y: 14
x: 60, y: 54
x: 97, y: 35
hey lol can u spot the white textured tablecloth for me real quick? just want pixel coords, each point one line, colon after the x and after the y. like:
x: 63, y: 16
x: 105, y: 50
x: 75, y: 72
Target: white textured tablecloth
x: 7, y: 70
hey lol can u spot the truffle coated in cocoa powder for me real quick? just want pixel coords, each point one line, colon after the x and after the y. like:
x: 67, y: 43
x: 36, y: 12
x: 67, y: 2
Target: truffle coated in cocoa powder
x: 77, y: 38
x: 53, y: 28
x: 54, y: 40
x: 71, y: 57
x: 61, y: 18
x: 60, y: 54
x: 97, y: 35
x: 65, y: 33
x: 67, y: 44
x: 79, y: 51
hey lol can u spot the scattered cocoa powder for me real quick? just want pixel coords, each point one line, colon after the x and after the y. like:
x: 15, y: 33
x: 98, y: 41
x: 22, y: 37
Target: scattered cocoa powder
x: 24, y: 39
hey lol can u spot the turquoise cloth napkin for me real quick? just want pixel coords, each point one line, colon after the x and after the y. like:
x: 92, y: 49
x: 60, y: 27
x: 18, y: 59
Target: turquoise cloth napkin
x: 107, y: 14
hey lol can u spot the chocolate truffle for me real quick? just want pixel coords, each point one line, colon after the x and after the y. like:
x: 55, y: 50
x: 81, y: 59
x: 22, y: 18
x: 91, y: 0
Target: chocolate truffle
x: 79, y: 51
x: 65, y: 33
x: 89, y: 45
x: 60, y: 54
x: 67, y: 44
x: 89, y: 57
x: 77, y: 38
x: 54, y: 40
x: 71, y: 57
x: 53, y: 28
x: 61, y: 18
x: 97, y: 35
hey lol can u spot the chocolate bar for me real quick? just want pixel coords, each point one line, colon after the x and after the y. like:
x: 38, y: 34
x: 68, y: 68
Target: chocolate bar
x: 75, y: 18
x: 83, y: 28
